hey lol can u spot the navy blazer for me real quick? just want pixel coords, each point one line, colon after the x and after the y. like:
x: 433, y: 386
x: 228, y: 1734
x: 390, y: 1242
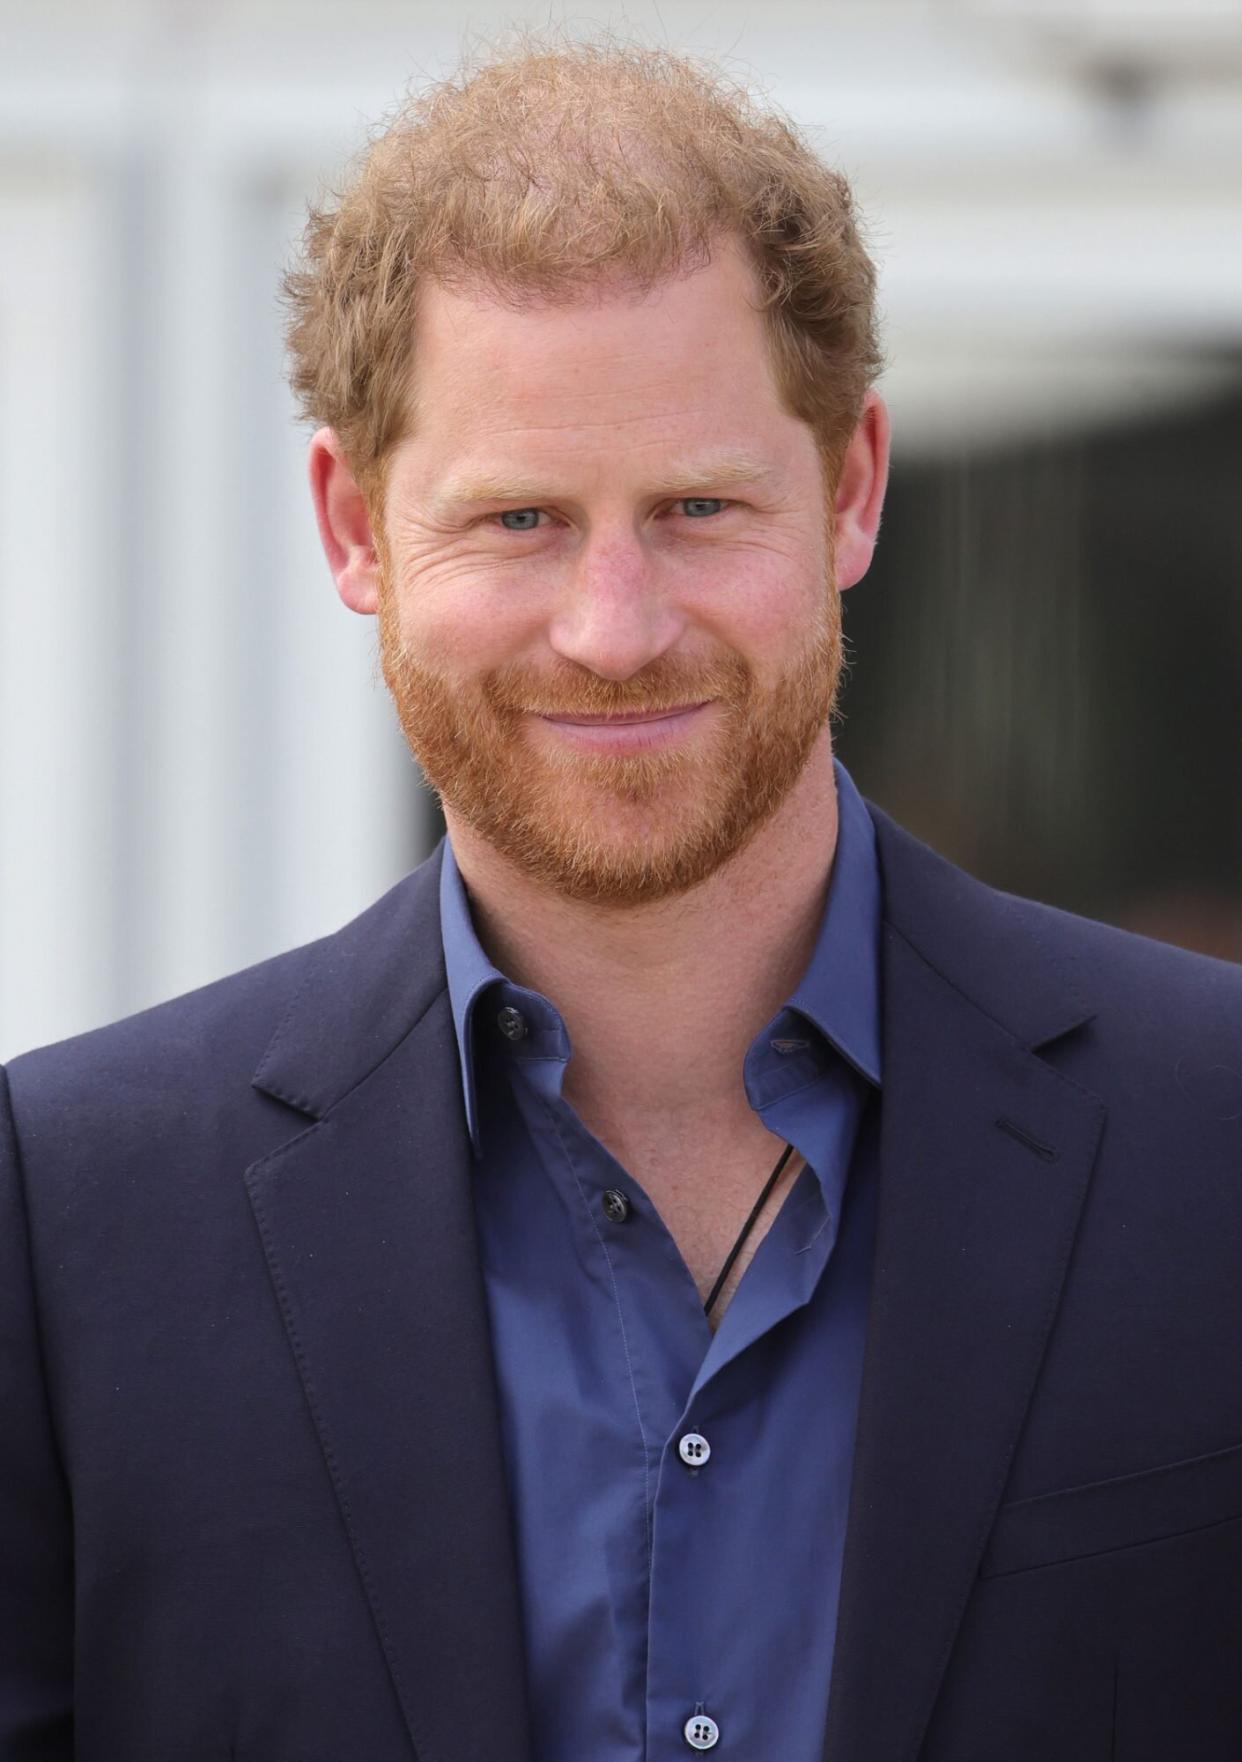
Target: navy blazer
x: 252, y: 1499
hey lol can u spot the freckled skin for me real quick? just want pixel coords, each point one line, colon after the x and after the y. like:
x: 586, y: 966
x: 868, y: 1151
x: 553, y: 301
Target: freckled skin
x: 618, y: 595
x: 594, y: 401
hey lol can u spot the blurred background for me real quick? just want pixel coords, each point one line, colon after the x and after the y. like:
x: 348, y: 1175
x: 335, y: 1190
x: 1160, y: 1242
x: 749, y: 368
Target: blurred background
x: 198, y: 764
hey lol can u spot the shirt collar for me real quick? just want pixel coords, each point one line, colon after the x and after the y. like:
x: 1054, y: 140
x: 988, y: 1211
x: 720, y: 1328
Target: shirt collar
x: 840, y: 990
x: 838, y: 994
x: 470, y: 973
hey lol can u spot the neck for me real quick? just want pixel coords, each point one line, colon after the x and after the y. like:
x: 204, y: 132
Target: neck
x: 661, y: 1001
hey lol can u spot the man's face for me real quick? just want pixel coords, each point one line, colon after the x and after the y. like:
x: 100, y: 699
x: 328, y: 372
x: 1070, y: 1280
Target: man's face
x: 605, y: 512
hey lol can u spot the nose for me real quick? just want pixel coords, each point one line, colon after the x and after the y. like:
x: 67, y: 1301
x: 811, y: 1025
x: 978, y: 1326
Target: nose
x: 614, y: 616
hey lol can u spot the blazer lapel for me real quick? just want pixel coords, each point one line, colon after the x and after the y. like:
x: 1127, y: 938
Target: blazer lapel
x: 367, y: 1224
x: 985, y: 1157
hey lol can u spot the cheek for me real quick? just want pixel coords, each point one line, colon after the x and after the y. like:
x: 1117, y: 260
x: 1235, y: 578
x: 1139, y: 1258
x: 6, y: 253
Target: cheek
x: 767, y: 608
x: 472, y: 632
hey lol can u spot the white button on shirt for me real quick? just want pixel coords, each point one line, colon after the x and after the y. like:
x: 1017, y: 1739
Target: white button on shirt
x: 694, y: 1449
x: 701, y: 1732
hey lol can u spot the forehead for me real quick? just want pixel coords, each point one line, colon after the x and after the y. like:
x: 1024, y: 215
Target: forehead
x: 687, y: 361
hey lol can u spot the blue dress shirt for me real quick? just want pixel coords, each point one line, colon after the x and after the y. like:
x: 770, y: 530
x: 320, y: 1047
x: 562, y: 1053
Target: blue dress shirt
x: 676, y: 1598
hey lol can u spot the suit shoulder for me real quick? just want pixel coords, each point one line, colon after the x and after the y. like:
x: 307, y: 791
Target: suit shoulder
x: 231, y: 1018
x: 215, y: 1034
x: 1036, y: 967
x: 1160, y: 988
x: 1126, y: 954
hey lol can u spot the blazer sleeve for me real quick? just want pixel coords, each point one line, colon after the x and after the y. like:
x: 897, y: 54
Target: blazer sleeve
x: 36, y: 1558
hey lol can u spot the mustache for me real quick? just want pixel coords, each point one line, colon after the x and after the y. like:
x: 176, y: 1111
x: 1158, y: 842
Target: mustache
x: 663, y: 686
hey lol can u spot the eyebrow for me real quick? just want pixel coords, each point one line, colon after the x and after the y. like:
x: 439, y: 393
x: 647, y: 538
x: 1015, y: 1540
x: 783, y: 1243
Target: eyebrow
x: 683, y: 476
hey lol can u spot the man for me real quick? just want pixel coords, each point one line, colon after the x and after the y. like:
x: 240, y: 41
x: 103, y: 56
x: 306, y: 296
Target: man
x: 689, y: 1267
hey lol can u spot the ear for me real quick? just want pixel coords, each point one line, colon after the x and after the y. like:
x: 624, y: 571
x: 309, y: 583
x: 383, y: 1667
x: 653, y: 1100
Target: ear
x: 344, y: 523
x: 860, y: 492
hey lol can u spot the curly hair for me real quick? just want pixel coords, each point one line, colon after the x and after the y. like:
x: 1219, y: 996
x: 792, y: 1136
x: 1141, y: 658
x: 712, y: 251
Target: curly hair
x: 544, y: 169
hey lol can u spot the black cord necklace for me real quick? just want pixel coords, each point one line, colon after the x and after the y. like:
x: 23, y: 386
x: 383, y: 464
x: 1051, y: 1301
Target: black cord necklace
x: 747, y: 1227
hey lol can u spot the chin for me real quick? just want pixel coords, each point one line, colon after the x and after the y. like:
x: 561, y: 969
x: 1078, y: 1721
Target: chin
x: 621, y: 856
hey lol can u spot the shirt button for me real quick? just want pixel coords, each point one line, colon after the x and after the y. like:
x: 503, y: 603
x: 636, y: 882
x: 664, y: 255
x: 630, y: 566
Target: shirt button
x: 694, y: 1451
x: 512, y: 1023
x: 616, y: 1206
x: 701, y: 1732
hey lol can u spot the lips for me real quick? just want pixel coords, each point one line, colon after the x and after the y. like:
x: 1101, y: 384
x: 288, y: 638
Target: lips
x: 640, y: 731
x: 626, y: 721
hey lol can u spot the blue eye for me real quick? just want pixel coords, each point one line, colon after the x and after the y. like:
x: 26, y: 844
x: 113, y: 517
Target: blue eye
x: 698, y: 507
x: 520, y: 519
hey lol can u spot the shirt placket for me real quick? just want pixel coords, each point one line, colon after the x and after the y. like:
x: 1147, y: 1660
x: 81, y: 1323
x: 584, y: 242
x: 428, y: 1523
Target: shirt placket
x: 686, y: 1381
